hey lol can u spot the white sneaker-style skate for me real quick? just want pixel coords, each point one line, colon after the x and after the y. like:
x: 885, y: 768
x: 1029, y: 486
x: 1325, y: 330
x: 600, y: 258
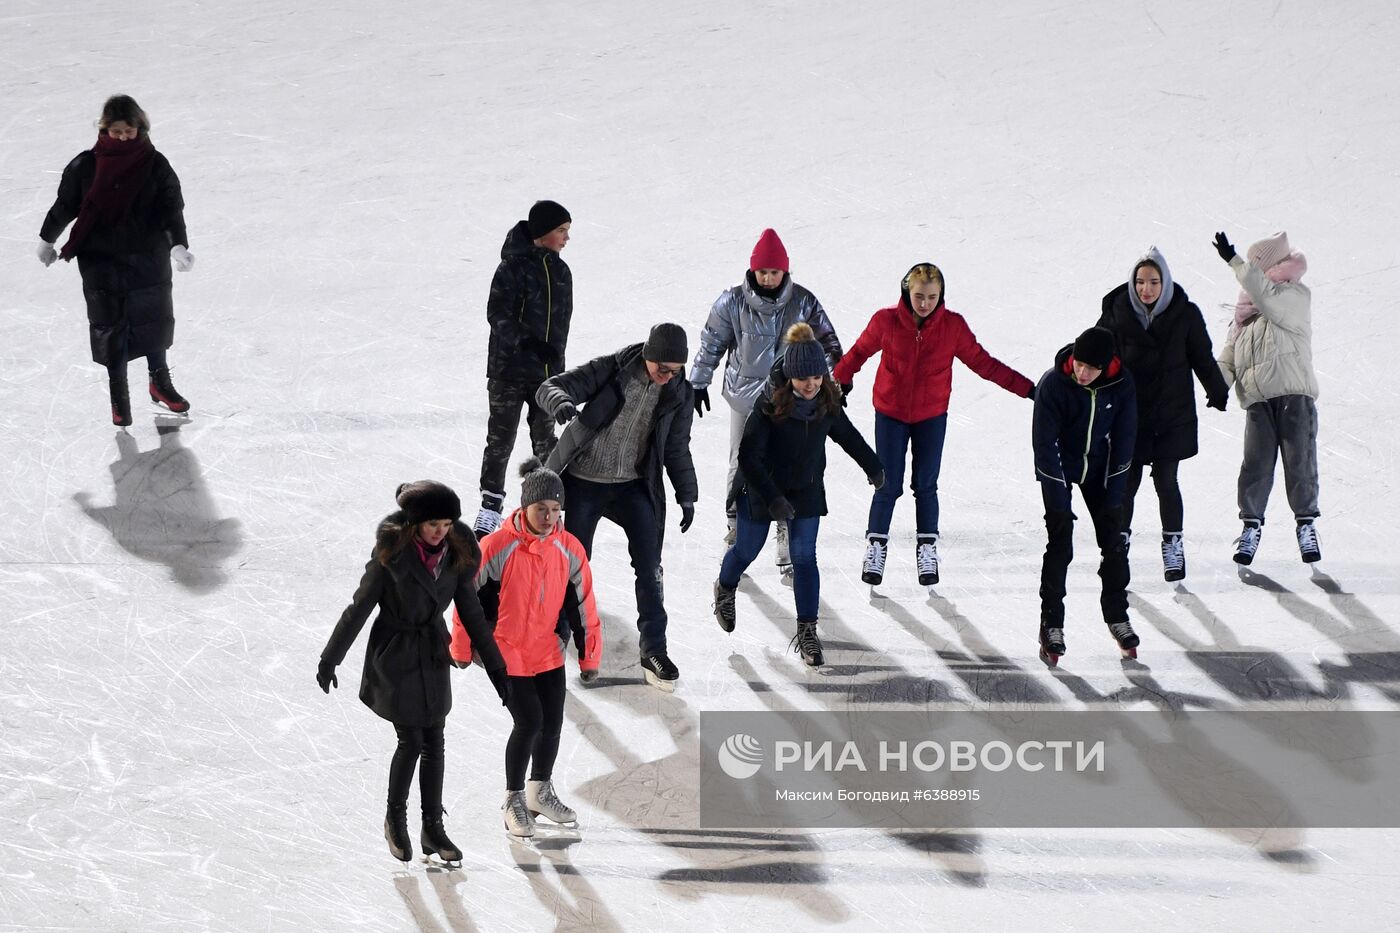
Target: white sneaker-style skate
x: 877, y: 549
x: 1173, y: 557
x: 926, y: 557
x: 541, y: 800
x: 1247, y: 543
x: 1308, y: 546
x: 489, y: 517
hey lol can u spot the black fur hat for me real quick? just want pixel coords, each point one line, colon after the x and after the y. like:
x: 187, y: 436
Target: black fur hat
x: 427, y: 500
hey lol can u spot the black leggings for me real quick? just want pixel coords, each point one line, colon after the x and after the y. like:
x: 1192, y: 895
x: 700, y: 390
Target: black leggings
x: 418, y: 743
x: 1168, y: 494
x: 537, y: 706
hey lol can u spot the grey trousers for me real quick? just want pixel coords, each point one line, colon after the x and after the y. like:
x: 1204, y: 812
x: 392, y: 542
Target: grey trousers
x: 1287, y: 425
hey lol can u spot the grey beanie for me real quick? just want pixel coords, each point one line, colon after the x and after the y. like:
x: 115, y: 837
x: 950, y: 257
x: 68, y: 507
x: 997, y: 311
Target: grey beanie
x: 427, y: 500
x: 666, y: 344
x: 539, y: 484
x: 803, y: 357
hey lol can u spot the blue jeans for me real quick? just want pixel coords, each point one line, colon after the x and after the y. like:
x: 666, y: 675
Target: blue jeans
x: 802, y: 546
x: 629, y: 506
x: 892, y: 440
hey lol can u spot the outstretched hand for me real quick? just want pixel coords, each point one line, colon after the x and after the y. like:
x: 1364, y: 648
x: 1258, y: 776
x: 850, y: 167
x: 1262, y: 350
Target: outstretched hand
x: 1223, y: 247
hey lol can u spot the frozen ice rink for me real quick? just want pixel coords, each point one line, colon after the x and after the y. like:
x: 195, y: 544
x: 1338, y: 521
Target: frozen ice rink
x: 351, y: 169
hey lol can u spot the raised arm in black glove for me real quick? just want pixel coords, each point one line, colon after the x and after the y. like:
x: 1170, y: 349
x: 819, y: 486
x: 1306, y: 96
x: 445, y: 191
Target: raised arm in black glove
x: 687, y: 515
x: 702, y: 397
x: 501, y: 682
x: 325, y: 676
x: 1223, y: 247
x: 780, y: 509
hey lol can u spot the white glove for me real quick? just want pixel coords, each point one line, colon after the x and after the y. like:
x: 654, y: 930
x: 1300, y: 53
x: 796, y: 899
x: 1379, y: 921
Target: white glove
x: 46, y: 253
x: 184, y: 259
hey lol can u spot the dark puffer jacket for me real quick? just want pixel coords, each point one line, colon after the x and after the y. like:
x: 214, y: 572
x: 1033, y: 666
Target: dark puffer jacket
x: 406, y: 672
x: 1162, y: 359
x: 596, y: 388
x: 125, y: 267
x: 787, y: 457
x: 531, y: 303
x: 1084, y: 434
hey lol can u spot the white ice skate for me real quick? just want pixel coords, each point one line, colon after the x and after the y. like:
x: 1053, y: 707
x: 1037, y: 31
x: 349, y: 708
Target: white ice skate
x: 541, y: 800
x: 519, y: 823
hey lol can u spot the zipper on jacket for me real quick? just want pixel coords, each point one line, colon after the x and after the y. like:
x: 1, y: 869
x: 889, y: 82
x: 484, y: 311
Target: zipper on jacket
x: 548, y: 305
x: 1089, y: 435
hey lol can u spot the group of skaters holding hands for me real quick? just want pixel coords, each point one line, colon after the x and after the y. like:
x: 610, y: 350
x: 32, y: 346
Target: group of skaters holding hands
x: 1117, y: 400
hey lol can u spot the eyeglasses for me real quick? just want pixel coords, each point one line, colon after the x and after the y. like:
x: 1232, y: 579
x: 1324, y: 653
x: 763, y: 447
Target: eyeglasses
x: 668, y: 371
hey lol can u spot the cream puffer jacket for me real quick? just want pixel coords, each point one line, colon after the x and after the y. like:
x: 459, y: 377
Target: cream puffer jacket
x: 1271, y: 355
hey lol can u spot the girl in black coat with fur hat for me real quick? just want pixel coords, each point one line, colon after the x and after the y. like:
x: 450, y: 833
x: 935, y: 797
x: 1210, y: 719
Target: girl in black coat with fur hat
x: 424, y: 559
x: 782, y: 465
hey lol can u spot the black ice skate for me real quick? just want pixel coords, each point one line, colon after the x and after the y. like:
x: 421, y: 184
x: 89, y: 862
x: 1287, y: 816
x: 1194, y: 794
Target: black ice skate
x: 724, y: 606
x: 1247, y: 543
x: 659, y: 671
x: 1052, y: 644
x: 807, y: 644
x: 877, y: 550
x: 1173, y: 557
x: 163, y: 392
x: 396, y: 833
x: 926, y: 558
x: 1308, y: 547
x: 1125, y: 636
x: 435, y: 842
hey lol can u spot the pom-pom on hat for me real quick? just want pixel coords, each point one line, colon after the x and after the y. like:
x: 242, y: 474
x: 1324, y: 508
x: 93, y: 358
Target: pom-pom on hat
x: 666, y: 344
x: 803, y: 357
x: 769, y: 252
x: 545, y: 216
x: 427, y: 500
x: 539, y: 484
x: 1269, y: 251
x: 1095, y: 347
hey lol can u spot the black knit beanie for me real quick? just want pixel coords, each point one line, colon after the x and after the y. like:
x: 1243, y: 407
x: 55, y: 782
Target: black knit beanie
x: 545, y: 216
x: 427, y: 500
x: 666, y: 344
x: 1095, y: 347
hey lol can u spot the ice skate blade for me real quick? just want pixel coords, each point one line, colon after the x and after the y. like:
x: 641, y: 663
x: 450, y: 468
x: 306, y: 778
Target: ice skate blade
x: 665, y: 686
x: 1051, y: 660
x: 1130, y: 653
x: 549, y: 823
x: 441, y: 862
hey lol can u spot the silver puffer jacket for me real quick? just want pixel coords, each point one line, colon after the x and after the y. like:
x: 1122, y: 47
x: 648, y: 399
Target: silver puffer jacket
x: 750, y: 329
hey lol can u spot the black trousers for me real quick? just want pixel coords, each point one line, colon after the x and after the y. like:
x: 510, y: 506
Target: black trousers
x: 504, y: 400
x: 537, y: 707
x: 1059, y: 551
x: 420, y: 747
x: 1168, y: 494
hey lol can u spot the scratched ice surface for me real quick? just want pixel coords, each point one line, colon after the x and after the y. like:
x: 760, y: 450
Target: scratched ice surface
x: 166, y: 761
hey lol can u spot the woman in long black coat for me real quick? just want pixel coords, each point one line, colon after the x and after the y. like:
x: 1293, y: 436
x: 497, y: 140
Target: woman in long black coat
x: 424, y: 559
x: 1162, y: 339
x: 130, y: 225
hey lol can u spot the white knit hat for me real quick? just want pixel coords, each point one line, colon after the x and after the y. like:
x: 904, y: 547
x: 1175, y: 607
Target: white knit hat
x: 1269, y: 251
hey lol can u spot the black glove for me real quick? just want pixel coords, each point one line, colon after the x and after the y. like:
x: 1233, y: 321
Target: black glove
x: 877, y: 479
x: 1223, y: 247
x: 461, y: 665
x: 687, y: 515
x: 780, y: 509
x: 1218, y: 403
x: 544, y: 352
x: 501, y: 682
x: 846, y: 389
x: 1031, y: 394
x: 565, y: 412
x: 325, y: 676
x: 702, y: 397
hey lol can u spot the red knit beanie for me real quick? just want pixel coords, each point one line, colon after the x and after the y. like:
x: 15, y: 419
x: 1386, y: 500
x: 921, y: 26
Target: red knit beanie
x: 769, y: 253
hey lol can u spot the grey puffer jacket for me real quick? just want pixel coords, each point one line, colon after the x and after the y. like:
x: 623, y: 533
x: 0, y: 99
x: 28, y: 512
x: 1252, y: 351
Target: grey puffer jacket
x: 750, y: 328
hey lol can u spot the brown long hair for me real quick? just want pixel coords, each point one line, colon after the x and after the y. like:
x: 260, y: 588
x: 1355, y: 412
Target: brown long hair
x: 785, y: 398
x: 395, y: 535
x: 122, y: 109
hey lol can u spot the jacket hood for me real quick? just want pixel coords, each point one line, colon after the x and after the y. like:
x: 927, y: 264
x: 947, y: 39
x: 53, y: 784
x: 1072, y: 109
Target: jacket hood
x: 904, y: 291
x: 518, y: 241
x: 1064, y: 364
x: 1153, y: 255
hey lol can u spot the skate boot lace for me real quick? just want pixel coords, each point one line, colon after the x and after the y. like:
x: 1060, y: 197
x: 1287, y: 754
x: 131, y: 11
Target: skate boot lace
x: 1307, y: 537
x: 806, y: 640
x: 927, y: 557
x: 1055, y: 638
x: 1173, y: 555
x: 875, y: 553
x: 1123, y: 631
x: 517, y: 810
x: 1248, y: 540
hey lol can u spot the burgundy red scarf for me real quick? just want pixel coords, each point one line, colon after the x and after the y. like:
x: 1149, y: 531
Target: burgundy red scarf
x: 122, y: 168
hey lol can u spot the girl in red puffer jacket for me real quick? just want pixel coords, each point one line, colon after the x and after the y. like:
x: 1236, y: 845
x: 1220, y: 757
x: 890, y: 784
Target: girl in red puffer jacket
x: 918, y: 339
